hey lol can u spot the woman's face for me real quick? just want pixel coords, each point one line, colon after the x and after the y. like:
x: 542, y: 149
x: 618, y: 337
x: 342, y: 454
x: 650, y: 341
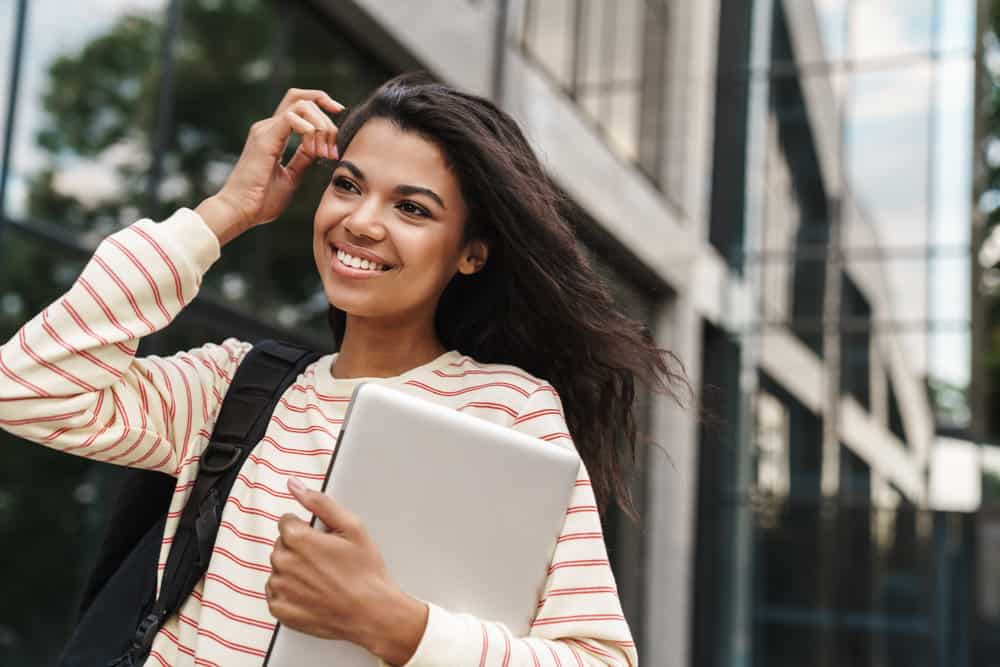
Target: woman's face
x: 388, y: 233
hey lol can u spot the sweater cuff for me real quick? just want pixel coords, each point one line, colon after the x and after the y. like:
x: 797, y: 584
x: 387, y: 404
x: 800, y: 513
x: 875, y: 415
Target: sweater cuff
x: 191, y: 239
x: 441, y: 643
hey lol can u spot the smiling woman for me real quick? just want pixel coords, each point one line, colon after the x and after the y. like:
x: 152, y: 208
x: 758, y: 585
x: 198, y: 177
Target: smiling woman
x: 450, y: 274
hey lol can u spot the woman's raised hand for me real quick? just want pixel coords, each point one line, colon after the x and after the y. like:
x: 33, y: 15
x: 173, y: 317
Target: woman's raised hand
x: 259, y: 187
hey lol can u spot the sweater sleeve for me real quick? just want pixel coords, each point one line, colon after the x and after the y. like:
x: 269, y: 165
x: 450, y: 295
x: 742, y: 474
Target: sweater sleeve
x: 579, y: 620
x: 70, y: 377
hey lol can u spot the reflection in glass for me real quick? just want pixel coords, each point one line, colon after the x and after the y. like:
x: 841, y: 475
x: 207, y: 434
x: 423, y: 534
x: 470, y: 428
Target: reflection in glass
x: 610, y: 58
x: 891, y: 28
x: 86, y: 107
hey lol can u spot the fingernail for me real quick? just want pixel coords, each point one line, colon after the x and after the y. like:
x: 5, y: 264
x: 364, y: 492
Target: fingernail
x: 334, y: 154
x: 342, y: 107
x: 295, y: 484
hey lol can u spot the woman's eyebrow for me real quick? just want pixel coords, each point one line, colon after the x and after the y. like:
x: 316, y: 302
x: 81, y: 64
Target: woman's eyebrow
x: 399, y: 189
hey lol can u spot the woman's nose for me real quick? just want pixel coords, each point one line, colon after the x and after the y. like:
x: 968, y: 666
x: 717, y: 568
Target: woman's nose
x: 364, y: 222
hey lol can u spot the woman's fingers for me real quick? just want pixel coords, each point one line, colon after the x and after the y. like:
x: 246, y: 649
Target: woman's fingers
x: 306, y: 129
x: 326, y: 130
x: 319, y: 97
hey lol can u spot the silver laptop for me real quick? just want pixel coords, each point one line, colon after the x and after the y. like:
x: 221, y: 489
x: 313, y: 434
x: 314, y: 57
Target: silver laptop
x: 465, y: 512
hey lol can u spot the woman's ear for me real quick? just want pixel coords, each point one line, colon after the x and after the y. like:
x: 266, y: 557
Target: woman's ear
x: 474, y: 257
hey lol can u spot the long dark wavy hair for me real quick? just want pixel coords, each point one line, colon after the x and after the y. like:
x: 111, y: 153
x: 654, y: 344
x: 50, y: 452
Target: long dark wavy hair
x: 537, y: 303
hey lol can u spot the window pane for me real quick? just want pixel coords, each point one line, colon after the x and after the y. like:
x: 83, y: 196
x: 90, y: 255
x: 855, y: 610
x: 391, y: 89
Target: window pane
x: 85, y: 111
x: 7, y: 27
x: 549, y: 37
x: 623, y: 122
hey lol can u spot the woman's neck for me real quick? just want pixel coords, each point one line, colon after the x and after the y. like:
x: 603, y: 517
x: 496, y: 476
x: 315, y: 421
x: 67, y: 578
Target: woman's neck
x: 371, y: 350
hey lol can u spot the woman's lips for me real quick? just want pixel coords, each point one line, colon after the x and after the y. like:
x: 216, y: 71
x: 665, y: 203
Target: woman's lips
x: 348, y: 271
x: 360, y: 253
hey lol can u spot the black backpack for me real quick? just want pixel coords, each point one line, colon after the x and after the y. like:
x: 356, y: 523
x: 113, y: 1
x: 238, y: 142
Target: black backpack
x: 120, y: 613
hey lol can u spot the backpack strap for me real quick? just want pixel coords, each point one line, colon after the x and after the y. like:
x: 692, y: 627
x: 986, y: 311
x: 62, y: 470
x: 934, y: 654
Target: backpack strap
x: 262, y: 377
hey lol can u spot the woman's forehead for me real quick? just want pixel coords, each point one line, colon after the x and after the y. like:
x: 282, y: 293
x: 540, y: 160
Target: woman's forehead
x: 383, y: 145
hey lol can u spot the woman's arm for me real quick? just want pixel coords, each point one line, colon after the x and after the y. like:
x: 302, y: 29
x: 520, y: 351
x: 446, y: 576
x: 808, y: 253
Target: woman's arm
x: 70, y: 377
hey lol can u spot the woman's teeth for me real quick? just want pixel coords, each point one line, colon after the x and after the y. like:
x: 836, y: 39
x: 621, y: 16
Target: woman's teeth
x: 357, y: 262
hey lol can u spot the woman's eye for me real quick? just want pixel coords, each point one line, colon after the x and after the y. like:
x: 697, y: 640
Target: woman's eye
x: 413, y: 209
x: 344, y: 184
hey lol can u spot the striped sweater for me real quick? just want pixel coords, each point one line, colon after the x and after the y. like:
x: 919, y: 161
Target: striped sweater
x: 71, y: 381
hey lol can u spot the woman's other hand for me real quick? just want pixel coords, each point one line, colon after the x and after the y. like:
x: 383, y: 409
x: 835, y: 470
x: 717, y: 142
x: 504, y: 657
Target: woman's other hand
x: 335, y: 585
x: 259, y: 187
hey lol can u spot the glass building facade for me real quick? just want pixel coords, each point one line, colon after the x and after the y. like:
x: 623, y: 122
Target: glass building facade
x: 841, y: 193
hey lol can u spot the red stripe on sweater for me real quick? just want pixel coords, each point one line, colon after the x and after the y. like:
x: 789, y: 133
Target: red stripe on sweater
x: 596, y: 562
x: 555, y: 620
x: 190, y: 408
x: 241, y: 562
x: 249, y: 510
x: 66, y: 375
x: 479, y: 371
x: 145, y: 273
x: 246, y: 620
x: 127, y: 451
x: 465, y: 390
x: 487, y: 405
x: 583, y: 590
x: 65, y: 429
x: 291, y: 450
x: 166, y: 260
x: 595, y: 650
x: 577, y: 509
x: 152, y: 448
x: 263, y: 487
x: 177, y: 642
x: 43, y: 418
x: 307, y: 429
x: 506, y: 649
x: 486, y: 646
x: 108, y: 313
x: 285, y: 471
x: 326, y: 398
x: 93, y: 436
x: 172, y: 408
x: 233, y: 646
x: 555, y: 655
x: 302, y: 409
x: 143, y: 397
x: 75, y: 316
x: 528, y: 416
x: 569, y: 537
x: 220, y: 370
x: 204, y: 399
x: 246, y: 536
x: 159, y: 658
x: 21, y: 381
x: 257, y: 595
x: 159, y: 465
x: 54, y: 335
